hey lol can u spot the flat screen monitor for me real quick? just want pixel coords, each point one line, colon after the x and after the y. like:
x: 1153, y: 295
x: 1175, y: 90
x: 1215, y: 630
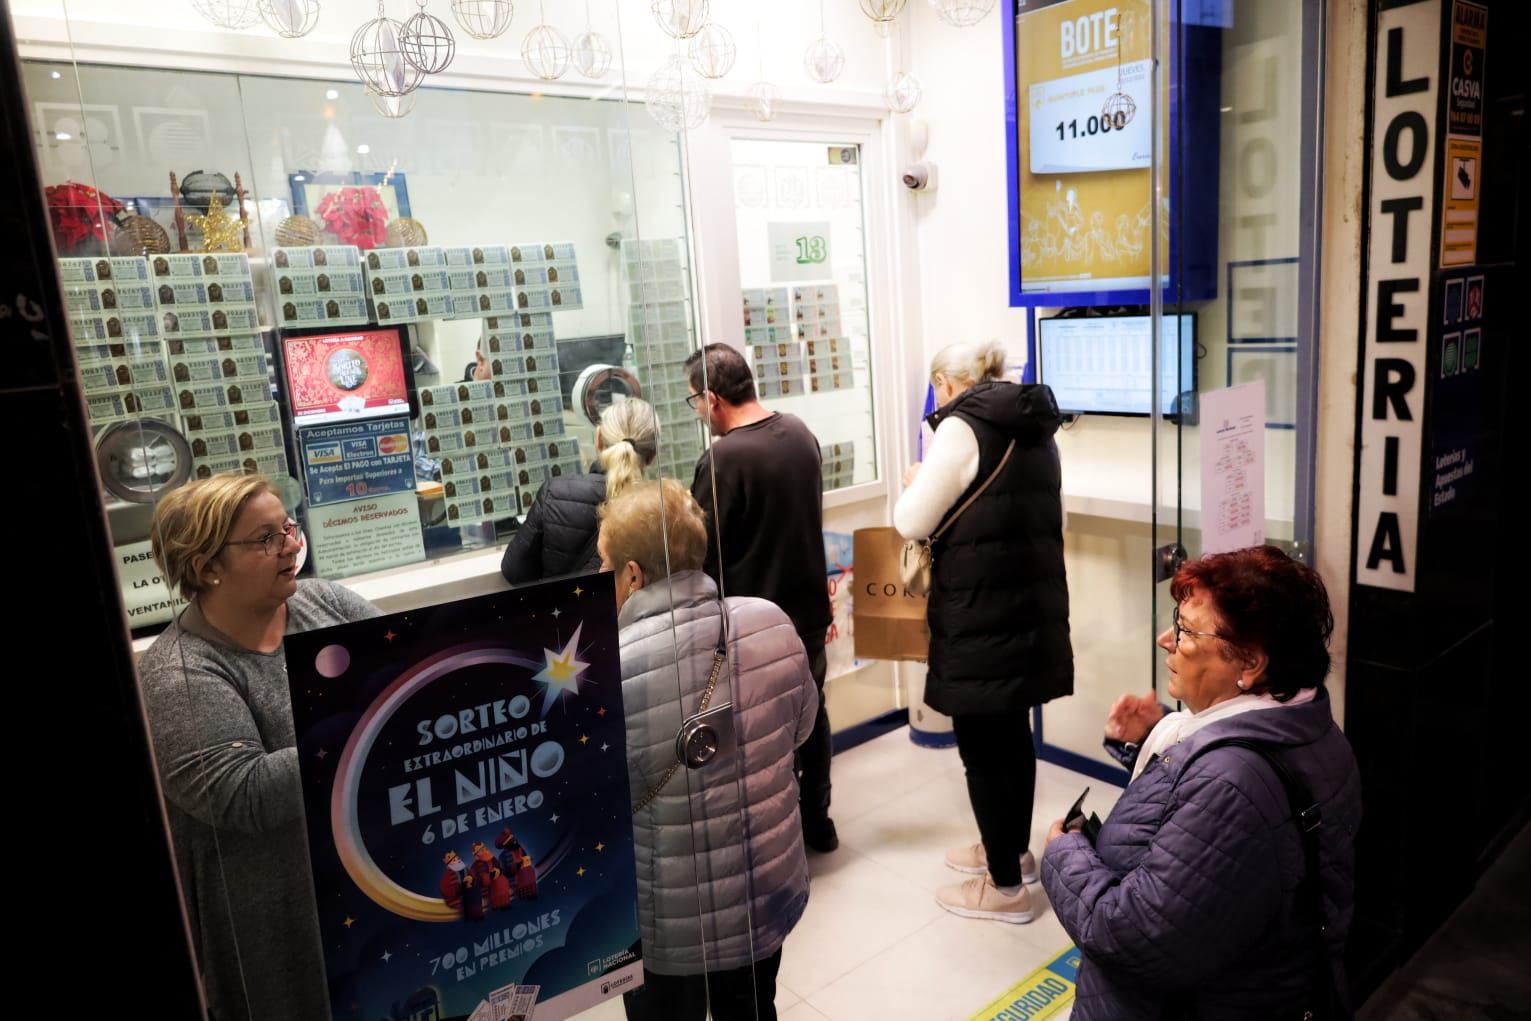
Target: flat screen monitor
x: 1101, y: 365
x: 341, y: 375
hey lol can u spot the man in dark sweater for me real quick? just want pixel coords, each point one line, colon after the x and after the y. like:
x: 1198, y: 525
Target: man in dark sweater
x: 760, y: 486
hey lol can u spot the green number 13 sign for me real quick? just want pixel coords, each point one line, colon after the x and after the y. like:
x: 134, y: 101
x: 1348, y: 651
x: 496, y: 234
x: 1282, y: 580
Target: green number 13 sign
x: 812, y: 250
x: 800, y: 250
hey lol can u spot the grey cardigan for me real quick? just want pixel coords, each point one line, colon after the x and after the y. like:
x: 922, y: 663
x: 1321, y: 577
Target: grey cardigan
x: 719, y: 853
x: 223, y: 735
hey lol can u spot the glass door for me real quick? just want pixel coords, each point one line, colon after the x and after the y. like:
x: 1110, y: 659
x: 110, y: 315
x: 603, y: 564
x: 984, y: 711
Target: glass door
x: 784, y: 223
x: 803, y: 273
x: 1229, y: 190
x: 1236, y: 324
x: 799, y: 205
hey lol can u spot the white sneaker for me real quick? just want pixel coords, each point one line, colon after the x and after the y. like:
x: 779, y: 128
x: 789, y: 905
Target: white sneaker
x: 972, y: 860
x: 977, y: 898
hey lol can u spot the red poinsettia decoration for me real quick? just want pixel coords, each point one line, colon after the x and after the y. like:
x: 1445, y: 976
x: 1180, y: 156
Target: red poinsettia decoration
x: 356, y: 216
x: 80, y: 214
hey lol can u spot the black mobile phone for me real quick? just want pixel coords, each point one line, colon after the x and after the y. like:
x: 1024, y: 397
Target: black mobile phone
x: 1075, y: 814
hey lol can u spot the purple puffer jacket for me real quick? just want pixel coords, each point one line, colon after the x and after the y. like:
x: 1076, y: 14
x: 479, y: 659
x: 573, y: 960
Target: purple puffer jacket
x: 1190, y: 888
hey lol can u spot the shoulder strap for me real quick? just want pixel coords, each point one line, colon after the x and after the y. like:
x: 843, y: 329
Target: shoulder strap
x: 976, y: 494
x: 1310, y: 890
x: 719, y: 658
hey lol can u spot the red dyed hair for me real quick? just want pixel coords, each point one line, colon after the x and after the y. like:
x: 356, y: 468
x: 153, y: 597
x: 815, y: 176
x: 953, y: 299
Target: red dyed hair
x: 1269, y: 603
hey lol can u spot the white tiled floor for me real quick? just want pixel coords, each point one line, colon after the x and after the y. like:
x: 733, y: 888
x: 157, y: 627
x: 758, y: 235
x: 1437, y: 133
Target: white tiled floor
x: 874, y: 943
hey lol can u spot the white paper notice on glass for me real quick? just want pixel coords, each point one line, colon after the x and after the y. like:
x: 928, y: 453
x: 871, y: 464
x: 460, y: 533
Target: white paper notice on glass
x: 1233, y: 468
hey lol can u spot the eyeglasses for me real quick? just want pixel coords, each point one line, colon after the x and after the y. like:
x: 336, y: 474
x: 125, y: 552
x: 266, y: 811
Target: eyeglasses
x: 693, y: 398
x: 273, y: 543
x: 1178, y: 630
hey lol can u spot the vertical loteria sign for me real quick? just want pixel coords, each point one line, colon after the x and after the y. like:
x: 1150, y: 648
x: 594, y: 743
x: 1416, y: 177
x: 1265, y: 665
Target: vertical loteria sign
x: 1403, y: 197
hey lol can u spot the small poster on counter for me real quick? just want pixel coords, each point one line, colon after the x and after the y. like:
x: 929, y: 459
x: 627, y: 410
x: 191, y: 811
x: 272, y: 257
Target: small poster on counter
x: 366, y: 535
x: 1233, y: 468
x: 145, y: 596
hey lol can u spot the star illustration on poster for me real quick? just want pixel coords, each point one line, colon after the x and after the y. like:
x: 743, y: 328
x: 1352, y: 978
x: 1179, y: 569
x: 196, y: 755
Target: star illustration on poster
x: 563, y: 671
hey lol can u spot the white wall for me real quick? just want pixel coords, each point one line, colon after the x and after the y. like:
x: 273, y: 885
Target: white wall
x: 964, y: 265
x: 964, y: 257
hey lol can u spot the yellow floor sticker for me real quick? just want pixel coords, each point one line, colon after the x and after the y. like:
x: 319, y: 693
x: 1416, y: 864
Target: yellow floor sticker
x: 1044, y: 993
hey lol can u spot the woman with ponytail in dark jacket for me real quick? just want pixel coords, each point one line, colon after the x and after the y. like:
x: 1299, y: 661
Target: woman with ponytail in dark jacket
x: 558, y: 536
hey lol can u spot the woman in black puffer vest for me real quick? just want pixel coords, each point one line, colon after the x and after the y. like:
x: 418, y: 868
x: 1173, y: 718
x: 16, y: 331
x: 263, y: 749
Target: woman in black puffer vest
x: 558, y: 536
x: 998, y: 607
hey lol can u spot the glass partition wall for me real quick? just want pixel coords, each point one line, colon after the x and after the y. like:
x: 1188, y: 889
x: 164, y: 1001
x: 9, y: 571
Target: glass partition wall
x: 409, y: 315
x: 1230, y: 129
x: 300, y: 163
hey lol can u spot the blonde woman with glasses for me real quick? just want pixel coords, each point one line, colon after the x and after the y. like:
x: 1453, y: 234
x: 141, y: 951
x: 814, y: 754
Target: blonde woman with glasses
x: 215, y: 688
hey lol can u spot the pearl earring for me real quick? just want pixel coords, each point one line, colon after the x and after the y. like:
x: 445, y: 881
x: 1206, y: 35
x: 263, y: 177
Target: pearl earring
x: 1241, y: 684
x: 215, y: 581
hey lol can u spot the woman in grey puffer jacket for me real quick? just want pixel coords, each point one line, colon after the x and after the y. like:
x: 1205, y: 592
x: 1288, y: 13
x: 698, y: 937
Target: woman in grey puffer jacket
x: 1187, y: 904
x: 722, y: 874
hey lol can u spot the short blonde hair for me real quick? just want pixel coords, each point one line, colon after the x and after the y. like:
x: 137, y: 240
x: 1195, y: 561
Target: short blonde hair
x: 194, y: 522
x: 966, y: 365
x: 661, y: 537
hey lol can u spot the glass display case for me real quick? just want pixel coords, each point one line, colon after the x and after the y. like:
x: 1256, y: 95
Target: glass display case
x: 412, y: 321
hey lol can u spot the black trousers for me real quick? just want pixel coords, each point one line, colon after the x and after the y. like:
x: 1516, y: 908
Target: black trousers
x: 1001, y: 767
x: 739, y: 994
x: 814, y: 755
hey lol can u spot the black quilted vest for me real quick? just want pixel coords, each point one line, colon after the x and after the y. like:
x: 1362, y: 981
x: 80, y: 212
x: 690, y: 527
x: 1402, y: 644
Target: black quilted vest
x: 999, y: 600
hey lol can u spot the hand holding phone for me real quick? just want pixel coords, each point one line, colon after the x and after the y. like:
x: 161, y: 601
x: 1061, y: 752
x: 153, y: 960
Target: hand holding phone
x: 1073, y: 819
x: 1077, y: 822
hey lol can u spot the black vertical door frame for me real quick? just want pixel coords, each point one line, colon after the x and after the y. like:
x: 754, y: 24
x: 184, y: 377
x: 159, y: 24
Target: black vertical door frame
x: 102, y: 921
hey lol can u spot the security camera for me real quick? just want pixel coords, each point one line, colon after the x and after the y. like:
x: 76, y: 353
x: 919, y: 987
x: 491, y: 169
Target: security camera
x: 920, y: 176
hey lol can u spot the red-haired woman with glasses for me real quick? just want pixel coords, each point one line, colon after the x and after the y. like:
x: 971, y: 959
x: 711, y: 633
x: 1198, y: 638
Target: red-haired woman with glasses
x: 215, y: 688
x: 1221, y: 885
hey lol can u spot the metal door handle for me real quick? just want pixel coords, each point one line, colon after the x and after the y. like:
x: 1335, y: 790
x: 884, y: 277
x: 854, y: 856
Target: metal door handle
x: 1167, y: 560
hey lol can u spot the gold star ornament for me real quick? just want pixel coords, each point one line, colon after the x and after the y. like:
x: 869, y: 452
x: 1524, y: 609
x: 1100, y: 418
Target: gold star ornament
x: 220, y: 232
